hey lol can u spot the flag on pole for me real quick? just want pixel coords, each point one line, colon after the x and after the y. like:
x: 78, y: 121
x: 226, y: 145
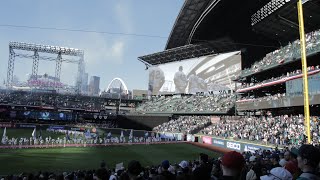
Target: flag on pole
x: 4, y: 132
x: 121, y: 136
x: 87, y: 134
x: 109, y: 135
x: 34, y: 133
x: 131, y: 134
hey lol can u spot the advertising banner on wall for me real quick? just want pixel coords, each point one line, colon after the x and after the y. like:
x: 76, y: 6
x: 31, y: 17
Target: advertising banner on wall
x: 207, y: 139
x: 234, y: 145
x: 219, y: 142
x: 190, y: 138
x: 26, y: 125
x: 6, y: 124
x: 251, y: 148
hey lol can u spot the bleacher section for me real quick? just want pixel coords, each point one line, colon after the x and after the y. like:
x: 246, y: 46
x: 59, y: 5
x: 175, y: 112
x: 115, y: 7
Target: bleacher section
x: 221, y: 103
x: 286, y: 54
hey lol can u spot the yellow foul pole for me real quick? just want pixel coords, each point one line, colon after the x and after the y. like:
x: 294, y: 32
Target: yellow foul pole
x: 304, y: 71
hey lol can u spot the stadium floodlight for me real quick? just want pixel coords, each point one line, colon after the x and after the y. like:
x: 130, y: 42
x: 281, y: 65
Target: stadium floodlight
x: 267, y: 10
x: 37, y: 48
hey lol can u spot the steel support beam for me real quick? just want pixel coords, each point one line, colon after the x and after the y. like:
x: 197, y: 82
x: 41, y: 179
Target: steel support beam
x: 58, y: 68
x: 10, y: 68
x: 80, y: 75
x: 36, y: 49
x: 35, y: 65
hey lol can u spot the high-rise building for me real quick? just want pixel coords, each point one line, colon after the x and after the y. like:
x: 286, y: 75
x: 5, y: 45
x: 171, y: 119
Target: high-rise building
x: 85, y: 83
x: 94, y: 86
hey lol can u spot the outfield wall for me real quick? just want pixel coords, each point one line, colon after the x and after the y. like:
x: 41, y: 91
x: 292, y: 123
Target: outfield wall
x: 220, y: 144
x: 228, y: 144
x: 94, y: 130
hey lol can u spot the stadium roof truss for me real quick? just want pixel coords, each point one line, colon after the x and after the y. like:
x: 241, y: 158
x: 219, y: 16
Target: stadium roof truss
x: 177, y: 54
x: 189, y: 51
x: 36, y: 49
x: 188, y: 16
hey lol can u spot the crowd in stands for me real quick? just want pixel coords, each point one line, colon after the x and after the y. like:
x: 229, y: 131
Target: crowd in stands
x: 276, y: 164
x: 279, y: 130
x: 191, y: 103
x: 184, y: 124
x: 108, y: 124
x: 268, y: 97
x: 287, y: 53
x: 52, y: 100
x: 288, y: 74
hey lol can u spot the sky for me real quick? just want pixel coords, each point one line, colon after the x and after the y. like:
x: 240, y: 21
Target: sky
x: 107, y: 55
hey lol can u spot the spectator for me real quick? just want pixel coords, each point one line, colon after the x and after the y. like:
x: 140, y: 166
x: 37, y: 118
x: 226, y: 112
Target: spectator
x: 216, y: 170
x: 183, y: 171
x: 232, y: 165
x: 103, y: 172
x: 277, y: 173
x: 184, y: 124
x: 308, y: 161
x: 134, y: 170
x: 164, y: 173
x: 204, y: 169
x: 274, y: 160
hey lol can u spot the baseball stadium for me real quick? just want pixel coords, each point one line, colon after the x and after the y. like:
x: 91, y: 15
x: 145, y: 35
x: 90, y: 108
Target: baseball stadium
x: 235, y: 94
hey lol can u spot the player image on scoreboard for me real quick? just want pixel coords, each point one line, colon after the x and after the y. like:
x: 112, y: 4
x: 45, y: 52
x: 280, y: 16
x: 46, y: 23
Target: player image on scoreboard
x: 156, y: 80
x: 180, y: 81
x: 212, y: 73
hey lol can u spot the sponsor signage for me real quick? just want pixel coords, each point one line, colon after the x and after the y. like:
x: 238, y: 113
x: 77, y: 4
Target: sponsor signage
x: 218, y: 142
x: 5, y: 125
x: 167, y: 135
x: 75, y: 129
x: 207, y: 140
x: 56, y: 127
x: 238, y: 146
x: 26, y: 125
x: 189, y: 137
x: 251, y: 148
x: 234, y: 145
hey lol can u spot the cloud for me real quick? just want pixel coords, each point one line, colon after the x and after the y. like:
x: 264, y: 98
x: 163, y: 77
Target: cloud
x: 117, y: 49
x: 123, y: 13
x: 98, y: 49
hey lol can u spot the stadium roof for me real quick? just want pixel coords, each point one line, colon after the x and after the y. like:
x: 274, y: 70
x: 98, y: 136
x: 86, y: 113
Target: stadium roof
x: 189, y: 14
x: 188, y: 52
x: 283, y: 23
x: 203, y: 22
x: 194, y: 12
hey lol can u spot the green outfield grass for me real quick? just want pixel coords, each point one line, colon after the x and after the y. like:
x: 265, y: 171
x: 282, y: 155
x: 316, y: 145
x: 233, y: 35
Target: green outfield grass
x: 15, y: 161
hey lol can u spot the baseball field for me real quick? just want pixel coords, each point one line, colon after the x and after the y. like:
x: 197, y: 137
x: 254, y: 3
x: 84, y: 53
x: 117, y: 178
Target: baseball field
x: 16, y: 161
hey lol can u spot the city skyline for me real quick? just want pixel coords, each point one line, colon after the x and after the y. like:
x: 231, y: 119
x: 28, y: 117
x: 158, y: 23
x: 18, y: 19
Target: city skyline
x: 119, y: 32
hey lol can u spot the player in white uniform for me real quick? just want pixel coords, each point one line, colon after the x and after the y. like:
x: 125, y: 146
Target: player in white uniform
x: 193, y: 84
x: 180, y: 81
x: 156, y: 80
